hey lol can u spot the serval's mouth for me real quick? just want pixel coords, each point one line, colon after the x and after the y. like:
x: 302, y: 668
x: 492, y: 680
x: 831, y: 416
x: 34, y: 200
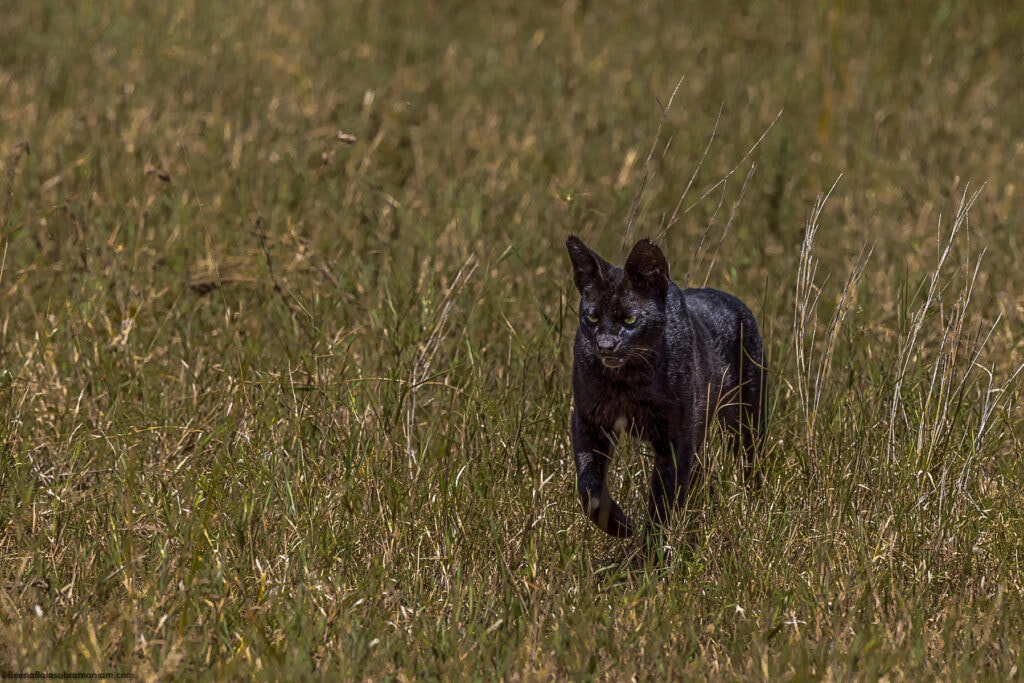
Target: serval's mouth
x: 612, y: 362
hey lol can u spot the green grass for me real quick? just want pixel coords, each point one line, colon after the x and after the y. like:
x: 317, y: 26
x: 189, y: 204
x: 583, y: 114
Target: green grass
x: 273, y: 403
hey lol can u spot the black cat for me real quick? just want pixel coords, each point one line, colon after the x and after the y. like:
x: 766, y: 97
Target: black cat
x: 660, y: 362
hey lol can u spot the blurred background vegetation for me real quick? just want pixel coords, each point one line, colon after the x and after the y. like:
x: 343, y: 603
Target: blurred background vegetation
x: 285, y: 330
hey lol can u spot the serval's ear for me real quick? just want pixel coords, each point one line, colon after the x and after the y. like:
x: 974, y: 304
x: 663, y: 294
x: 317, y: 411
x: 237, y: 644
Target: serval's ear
x: 647, y: 269
x: 588, y: 269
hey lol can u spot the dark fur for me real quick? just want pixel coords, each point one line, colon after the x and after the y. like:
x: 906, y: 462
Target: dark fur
x: 690, y: 355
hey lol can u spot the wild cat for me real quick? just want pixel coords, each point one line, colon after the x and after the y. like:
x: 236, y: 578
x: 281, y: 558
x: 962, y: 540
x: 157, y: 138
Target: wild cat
x: 660, y: 362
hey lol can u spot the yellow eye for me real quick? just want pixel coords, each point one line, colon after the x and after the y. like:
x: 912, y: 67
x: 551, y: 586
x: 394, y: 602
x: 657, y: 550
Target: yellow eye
x: 629, y: 320
x: 591, y: 319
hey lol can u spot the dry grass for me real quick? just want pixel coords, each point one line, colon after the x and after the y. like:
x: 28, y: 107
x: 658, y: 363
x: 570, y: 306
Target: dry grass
x: 286, y: 323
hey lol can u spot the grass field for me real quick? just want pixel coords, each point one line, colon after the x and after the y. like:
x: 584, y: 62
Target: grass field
x: 286, y: 324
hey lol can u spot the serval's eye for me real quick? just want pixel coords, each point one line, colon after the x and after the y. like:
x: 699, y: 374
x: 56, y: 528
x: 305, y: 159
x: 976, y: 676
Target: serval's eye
x: 629, y: 320
x: 591, y: 319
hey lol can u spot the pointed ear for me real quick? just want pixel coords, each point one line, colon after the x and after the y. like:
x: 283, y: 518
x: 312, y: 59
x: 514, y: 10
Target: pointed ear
x: 647, y: 269
x: 588, y: 269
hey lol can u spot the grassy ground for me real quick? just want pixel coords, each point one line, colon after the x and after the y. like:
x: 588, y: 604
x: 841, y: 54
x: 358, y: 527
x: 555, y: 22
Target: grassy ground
x: 275, y: 401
